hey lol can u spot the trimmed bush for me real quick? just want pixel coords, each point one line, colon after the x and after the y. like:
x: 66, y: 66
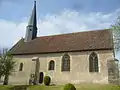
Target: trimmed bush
x: 47, y: 80
x: 69, y: 86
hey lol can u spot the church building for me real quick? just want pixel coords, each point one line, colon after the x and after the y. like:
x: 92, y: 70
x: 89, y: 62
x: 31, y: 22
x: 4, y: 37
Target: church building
x: 79, y: 57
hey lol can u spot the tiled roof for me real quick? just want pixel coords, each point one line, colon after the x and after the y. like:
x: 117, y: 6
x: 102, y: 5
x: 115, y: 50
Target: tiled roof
x: 80, y: 41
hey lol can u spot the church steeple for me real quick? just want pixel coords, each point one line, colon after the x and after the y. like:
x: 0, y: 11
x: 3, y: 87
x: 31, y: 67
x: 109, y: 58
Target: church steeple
x: 31, y: 30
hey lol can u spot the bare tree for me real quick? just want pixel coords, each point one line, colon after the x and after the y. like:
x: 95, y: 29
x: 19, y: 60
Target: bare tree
x: 116, y: 38
x: 116, y: 34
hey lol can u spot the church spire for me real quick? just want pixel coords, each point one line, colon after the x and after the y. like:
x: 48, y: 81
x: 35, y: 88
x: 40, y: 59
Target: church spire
x: 31, y: 30
x: 33, y: 20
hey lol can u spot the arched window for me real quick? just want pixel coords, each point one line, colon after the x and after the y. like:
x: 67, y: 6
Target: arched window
x: 21, y: 67
x: 65, y: 63
x: 93, y: 62
x: 51, y: 65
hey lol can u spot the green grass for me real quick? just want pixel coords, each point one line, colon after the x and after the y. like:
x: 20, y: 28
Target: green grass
x: 97, y: 87
x: 78, y: 87
x: 7, y: 87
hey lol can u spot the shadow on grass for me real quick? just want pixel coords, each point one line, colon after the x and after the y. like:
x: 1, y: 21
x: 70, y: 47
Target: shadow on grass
x: 19, y: 87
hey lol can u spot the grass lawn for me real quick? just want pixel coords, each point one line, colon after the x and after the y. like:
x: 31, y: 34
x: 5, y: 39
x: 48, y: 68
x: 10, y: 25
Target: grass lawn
x: 2, y: 87
x: 78, y: 87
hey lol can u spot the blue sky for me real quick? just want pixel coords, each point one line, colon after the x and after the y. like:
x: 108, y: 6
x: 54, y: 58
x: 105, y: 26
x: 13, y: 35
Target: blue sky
x: 15, y: 10
x: 55, y: 17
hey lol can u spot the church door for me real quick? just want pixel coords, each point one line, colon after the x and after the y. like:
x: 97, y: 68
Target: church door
x: 41, y: 77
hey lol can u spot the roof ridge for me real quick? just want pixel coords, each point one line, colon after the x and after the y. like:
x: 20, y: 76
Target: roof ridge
x: 73, y: 33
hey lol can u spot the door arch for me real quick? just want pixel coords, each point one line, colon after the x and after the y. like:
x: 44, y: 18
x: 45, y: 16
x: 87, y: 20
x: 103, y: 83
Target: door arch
x: 41, y: 77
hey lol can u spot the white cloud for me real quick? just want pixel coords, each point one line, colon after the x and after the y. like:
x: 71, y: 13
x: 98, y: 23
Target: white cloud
x: 64, y: 22
x: 71, y: 21
x: 10, y: 32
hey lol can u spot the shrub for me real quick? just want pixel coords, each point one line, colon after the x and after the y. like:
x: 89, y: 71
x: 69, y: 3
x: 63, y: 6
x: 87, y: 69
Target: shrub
x: 47, y: 80
x: 69, y: 86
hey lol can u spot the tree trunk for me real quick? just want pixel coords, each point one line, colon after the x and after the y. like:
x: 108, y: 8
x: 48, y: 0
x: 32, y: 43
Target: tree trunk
x: 0, y: 77
x: 6, y: 80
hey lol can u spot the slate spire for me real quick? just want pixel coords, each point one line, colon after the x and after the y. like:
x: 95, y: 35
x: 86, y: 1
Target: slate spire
x: 33, y: 19
x: 31, y: 30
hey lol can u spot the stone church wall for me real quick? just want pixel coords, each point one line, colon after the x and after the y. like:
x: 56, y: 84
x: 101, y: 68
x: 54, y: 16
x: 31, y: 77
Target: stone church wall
x: 79, y: 68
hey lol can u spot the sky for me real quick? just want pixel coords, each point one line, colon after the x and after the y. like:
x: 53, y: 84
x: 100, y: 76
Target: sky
x: 55, y: 17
